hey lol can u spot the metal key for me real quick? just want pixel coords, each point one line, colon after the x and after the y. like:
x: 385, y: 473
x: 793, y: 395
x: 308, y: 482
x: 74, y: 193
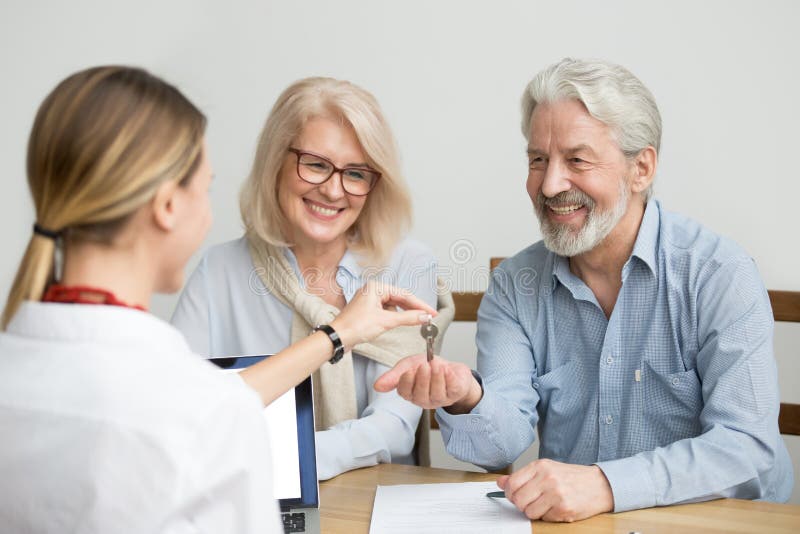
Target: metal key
x: 429, y: 332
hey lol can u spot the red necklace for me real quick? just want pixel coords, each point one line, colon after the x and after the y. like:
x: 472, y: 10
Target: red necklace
x: 84, y: 295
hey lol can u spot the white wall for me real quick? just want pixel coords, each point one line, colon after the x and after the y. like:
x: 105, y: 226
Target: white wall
x: 726, y: 75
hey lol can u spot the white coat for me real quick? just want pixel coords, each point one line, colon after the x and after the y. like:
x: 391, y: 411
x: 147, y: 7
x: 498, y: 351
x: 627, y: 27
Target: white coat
x: 109, y: 423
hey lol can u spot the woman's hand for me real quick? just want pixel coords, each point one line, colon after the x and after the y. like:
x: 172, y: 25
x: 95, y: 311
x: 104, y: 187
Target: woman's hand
x: 365, y: 317
x: 373, y: 311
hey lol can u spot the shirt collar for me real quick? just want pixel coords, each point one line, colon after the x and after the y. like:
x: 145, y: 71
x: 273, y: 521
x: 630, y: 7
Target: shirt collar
x: 644, y: 248
x: 560, y: 269
x: 575, y: 285
x: 349, y: 265
x: 647, y: 238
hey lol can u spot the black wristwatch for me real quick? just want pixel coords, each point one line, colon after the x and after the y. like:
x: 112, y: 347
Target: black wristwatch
x: 338, y: 348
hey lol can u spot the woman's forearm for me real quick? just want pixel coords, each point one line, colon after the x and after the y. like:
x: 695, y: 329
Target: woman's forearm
x: 274, y: 376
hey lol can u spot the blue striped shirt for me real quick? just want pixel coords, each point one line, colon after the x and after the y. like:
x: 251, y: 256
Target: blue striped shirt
x: 674, y: 397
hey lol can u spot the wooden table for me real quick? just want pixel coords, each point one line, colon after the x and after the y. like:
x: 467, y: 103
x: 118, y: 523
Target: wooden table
x: 347, y: 508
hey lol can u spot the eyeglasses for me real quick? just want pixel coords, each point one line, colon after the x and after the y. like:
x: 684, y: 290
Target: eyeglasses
x: 315, y: 169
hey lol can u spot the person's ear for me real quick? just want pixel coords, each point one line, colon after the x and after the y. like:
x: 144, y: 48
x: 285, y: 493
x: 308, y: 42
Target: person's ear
x: 164, y: 206
x: 644, y: 169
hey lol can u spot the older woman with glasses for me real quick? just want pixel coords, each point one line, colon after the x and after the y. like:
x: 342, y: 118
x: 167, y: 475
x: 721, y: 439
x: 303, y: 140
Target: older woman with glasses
x: 325, y: 209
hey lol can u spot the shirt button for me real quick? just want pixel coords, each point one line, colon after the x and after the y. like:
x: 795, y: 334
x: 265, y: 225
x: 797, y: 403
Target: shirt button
x: 609, y: 360
x: 609, y: 419
x: 536, y: 385
x: 476, y: 420
x: 676, y: 381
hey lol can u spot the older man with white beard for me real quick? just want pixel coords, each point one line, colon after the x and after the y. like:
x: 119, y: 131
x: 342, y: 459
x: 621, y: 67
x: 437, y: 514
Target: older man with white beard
x: 642, y: 347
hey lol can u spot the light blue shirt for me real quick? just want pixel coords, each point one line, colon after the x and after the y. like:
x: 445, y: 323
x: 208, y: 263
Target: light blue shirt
x: 225, y: 310
x: 675, y: 397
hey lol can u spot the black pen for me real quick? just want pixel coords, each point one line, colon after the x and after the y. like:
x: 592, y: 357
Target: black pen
x: 496, y: 494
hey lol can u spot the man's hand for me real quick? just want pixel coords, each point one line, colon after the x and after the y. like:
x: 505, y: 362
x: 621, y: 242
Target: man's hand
x: 554, y: 491
x: 433, y: 385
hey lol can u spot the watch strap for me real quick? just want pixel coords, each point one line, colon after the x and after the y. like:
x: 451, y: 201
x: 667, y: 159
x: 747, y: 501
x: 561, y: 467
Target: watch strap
x: 338, y: 348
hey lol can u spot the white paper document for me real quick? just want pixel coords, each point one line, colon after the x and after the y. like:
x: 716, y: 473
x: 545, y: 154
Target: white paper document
x: 460, y: 508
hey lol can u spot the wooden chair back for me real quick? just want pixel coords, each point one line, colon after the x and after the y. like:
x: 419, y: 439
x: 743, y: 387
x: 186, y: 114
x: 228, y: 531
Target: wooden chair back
x: 467, y: 302
x: 786, y: 307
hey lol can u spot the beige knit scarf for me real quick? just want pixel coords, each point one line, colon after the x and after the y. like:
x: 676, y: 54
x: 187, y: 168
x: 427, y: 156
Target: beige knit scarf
x: 334, y: 385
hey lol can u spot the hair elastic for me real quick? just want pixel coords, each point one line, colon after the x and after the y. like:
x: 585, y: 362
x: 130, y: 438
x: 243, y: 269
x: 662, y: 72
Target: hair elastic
x: 44, y: 232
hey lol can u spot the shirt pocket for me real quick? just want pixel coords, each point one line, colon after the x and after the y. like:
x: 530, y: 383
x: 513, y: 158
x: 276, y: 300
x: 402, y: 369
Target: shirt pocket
x: 560, y: 408
x: 672, y: 405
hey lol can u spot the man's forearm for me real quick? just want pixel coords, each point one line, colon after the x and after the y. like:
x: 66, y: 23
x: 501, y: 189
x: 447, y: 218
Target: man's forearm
x: 719, y: 463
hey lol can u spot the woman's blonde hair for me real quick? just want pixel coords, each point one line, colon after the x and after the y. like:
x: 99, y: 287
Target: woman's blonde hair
x: 386, y: 215
x: 101, y: 144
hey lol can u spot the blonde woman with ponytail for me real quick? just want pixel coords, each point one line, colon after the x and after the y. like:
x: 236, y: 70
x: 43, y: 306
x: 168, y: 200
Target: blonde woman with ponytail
x: 109, y: 422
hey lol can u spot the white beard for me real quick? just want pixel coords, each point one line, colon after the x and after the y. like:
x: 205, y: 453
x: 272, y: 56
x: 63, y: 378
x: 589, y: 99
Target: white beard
x: 565, y: 241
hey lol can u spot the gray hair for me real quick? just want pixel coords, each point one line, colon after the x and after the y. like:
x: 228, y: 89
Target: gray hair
x: 610, y: 93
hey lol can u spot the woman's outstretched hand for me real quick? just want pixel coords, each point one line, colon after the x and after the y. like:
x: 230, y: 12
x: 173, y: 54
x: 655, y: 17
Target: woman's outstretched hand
x: 373, y: 311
